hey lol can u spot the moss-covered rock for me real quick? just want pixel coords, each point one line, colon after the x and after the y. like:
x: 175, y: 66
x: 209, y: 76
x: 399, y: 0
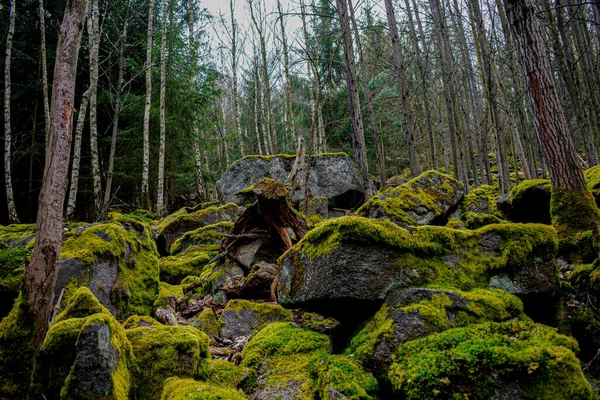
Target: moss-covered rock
x: 175, y: 226
x: 412, y: 313
x: 521, y: 360
x: 138, y: 321
x: 206, y: 238
x: 12, y: 268
x: 337, y: 376
x: 242, y: 317
x: 224, y: 373
x: 166, y: 292
x: 478, y: 220
x: 208, y: 322
x: 85, y: 355
x: 423, y: 200
x: 529, y: 201
x: 482, y: 200
x: 17, y: 235
x: 315, y: 210
x: 592, y: 177
x: 354, y: 258
x: 117, y: 261
x: 165, y: 351
x: 191, y: 262
x: 189, y: 389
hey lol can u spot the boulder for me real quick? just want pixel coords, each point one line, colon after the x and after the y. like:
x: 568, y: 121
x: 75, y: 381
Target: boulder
x: 176, y: 389
x: 592, y: 177
x: 243, y: 317
x: 529, y: 201
x: 316, y: 210
x: 117, y: 261
x: 174, y: 226
x: 481, y: 200
x: 353, y: 259
x: 425, y: 200
x: 409, y: 314
x: 333, y: 176
x: 12, y: 268
x: 515, y: 359
x: 207, y: 238
x: 17, y: 235
x: 224, y: 373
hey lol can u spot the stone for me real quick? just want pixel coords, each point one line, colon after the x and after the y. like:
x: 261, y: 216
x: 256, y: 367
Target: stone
x: 529, y: 201
x: 242, y: 317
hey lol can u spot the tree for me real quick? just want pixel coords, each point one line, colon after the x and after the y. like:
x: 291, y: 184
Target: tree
x: 288, y: 80
x: 42, y: 13
x: 94, y: 38
x: 163, y: 133
x: 10, y: 199
x: 146, y: 134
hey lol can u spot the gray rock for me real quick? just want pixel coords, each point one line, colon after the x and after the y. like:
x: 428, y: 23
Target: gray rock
x: 242, y: 317
x: 333, y: 176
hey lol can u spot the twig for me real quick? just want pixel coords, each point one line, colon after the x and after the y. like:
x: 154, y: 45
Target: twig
x: 57, y: 306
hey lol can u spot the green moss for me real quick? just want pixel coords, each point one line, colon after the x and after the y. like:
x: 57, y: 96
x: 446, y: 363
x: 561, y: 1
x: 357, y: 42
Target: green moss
x: 478, y: 220
x: 208, y: 322
x: 343, y: 374
x: 163, y: 352
x: 455, y: 223
x: 465, y: 361
x: 431, y: 190
x: 517, y: 193
x: 573, y: 213
x: 165, y: 291
x: 265, y: 312
x: 138, y: 321
x: 482, y: 199
x: 224, y: 373
x: 592, y: 177
x: 16, y: 235
x: 189, y: 389
x: 319, y: 323
x: 206, y: 216
x: 81, y: 304
x: 209, y: 237
x: 12, y: 268
x: 129, y: 244
x: 174, y: 268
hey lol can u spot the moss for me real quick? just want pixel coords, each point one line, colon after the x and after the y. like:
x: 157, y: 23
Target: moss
x: 431, y: 190
x: 184, y: 389
x: 224, y: 373
x: 174, y: 268
x: 466, y: 361
x: 209, y: 237
x: 203, y: 217
x: 317, y: 322
x: 138, y: 321
x: 482, y: 199
x: 208, y: 322
x: 81, y: 304
x: 592, y: 177
x: 129, y: 244
x: 265, y: 312
x: 455, y: 223
x: 16, y: 235
x: 517, y: 193
x: 16, y: 352
x: 343, y: 374
x: 12, y: 268
x: 163, y: 352
x: 165, y: 291
x: 269, y: 158
x: 573, y: 213
x: 475, y: 220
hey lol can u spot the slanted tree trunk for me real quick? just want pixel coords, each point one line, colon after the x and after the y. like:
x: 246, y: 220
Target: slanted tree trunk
x: 146, y: 133
x: 115, y: 127
x: 408, y: 114
x: 10, y: 199
x: 160, y: 187
x: 40, y: 275
x: 358, y: 134
x: 94, y: 34
x: 288, y: 79
x: 42, y: 14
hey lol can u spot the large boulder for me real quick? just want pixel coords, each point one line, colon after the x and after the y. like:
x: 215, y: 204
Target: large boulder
x: 425, y: 200
x: 529, y: 201
x: 333, y: 176
x: 176, y: 389
x: 409, y: 314
x: 358, y: 259
x: 242, y: 317
x: 509, y: 360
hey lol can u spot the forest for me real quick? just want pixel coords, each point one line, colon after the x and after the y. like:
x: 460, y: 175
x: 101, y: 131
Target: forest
x: 300, y: 199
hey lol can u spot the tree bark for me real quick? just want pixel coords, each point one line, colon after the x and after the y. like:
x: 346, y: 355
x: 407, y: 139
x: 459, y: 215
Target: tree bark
x: 42, y: 15
x: 40, y: 275
x: 10, y: 199
x: 94, y: 35
x: 358, y: 135
x: 146, y: 133
x: 234, y: 67
x: 160, y: 190
x: 565, y: 171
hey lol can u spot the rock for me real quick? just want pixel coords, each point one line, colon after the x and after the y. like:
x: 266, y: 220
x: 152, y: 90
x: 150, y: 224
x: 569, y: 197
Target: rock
x: 117, y: 261
x: 425, y: 200
x: 84, y: 356
x: 242, y: 317
x: 17, y: 235
x: 224, y: 373
x: 490, y: 360
x: 258, y: 282
x: 206, y: 238
x: 208, y: 322
x: 191, y: 262
x: 413, y: 313
x: 475, y: 220
x: 316, y: 210
x: 592, y: 177
x: 333, y: 176
x: 176, y: 389
x: 162, y: 352
x: 176, y: 225
x: 137, y: 321
x: 529, y: 201
x: 315, y: 322
x: 481, y: 200
x: 358, y: 259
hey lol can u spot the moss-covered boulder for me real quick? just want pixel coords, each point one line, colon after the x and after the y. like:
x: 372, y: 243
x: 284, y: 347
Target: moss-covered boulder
x: 473, y: 220
x: 117, y: 261
x: 516, y: 360
x: 287, y: 362
x: 409, y: 314
x: 224, y: 373
x: 207, y: 238
x: 315, y: 210
x: 242, y: 317
x: 165, y: 351
x: 138, y: 321
x: 17, y: 235
x: 529, y: 201
x: 333, y: 176
x: 12, y: 268
x: 592, y: 177
x: 359, y: 259
x: 208, y: 322
x: 190, y: 262
x: 425, y: 200
x: 189, y: 389
x: 176, y: 225
x: 481, y: 200
x: 85, y: 355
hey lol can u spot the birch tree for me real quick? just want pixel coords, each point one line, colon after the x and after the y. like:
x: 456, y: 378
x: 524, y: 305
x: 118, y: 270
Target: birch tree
x: 146, y: 132
x: 94, y: 32
x: 163, y: 134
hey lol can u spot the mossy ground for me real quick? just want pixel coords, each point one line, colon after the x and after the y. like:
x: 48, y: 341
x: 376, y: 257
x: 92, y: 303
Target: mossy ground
x: 466, y: 361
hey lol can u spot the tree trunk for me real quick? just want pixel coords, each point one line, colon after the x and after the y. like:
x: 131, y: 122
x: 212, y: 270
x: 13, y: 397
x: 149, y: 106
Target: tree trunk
x: 358, y: 135
x: 234, y: 67
x: 565, y: 172
x: 146, y: 161
x: 160, y: 190
x: 40, y: 275
x: 94, y: 35
x: 10, y: 199
x: 115, y: 127
x: 288, y: 79
x: 42, y: 14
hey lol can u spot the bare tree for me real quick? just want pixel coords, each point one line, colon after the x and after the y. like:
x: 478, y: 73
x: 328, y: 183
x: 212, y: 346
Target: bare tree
x: 42, y: 14
x: 160, y: 191
x: 288, y: 79
x: 94, y: 38
x: 146, y: 134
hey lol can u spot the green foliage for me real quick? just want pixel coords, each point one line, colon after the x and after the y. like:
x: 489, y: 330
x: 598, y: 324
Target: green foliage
x: 466, y: 361
x: 189, y: 389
